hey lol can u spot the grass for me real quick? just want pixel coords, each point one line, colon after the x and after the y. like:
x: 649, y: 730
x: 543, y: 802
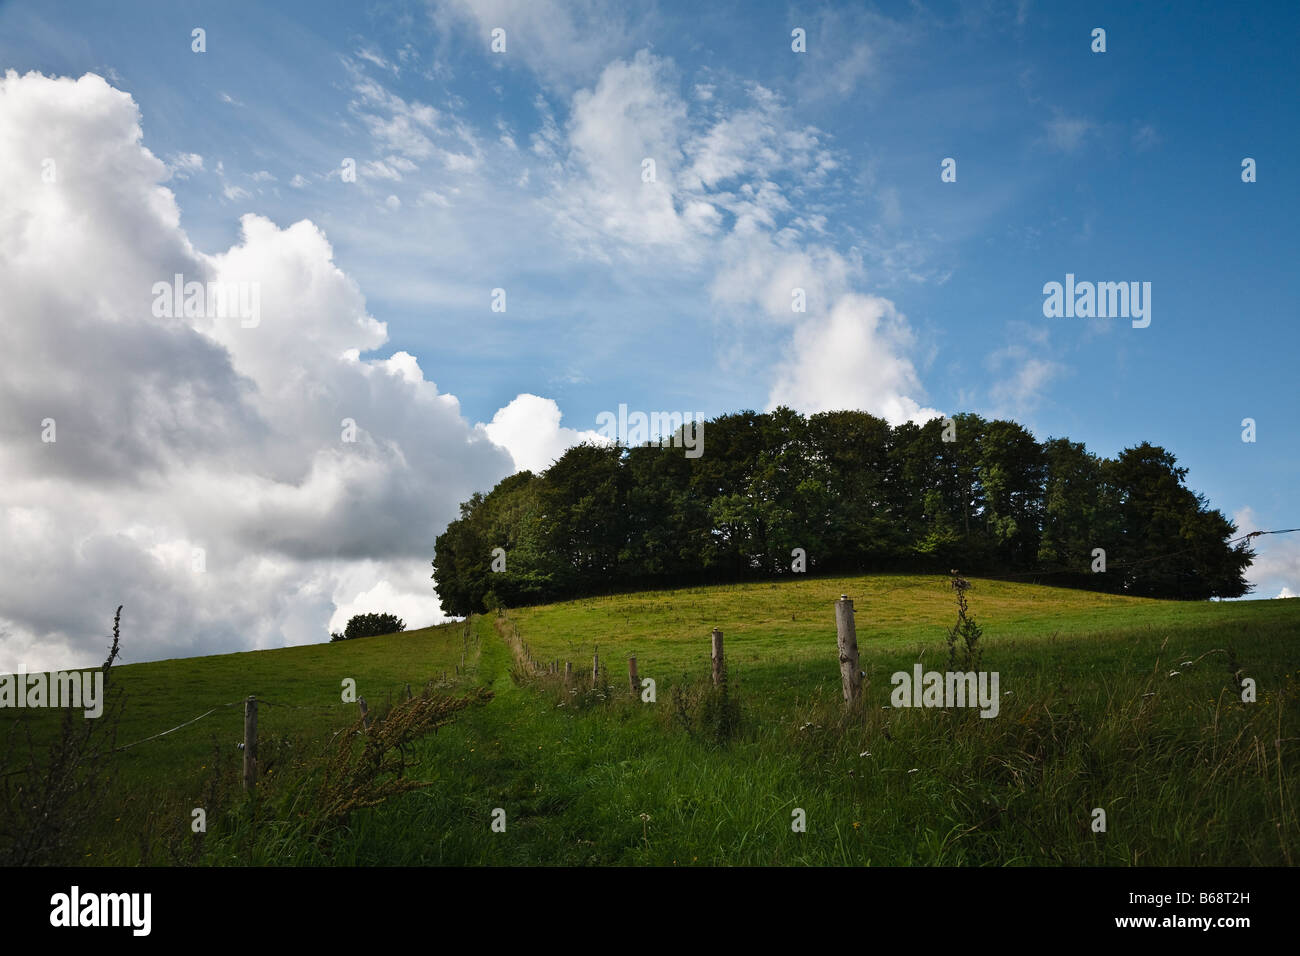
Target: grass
x: 1092, y: 717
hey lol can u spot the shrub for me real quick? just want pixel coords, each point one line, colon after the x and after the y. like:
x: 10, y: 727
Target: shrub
x: 369, y: 625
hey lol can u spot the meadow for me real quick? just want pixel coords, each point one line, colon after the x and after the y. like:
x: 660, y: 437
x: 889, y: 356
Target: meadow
x: 1128, y: 706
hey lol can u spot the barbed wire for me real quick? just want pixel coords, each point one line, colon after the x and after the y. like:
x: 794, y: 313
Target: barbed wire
x: 194, y: 720
x: 872, y: 594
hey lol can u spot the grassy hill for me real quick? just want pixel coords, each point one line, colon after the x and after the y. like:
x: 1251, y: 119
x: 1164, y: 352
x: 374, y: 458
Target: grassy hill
x: 1099, y: 711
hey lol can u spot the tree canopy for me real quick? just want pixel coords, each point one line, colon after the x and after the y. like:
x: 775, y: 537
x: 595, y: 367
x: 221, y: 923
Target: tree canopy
x: 369, y: 625
x: 856, y: 495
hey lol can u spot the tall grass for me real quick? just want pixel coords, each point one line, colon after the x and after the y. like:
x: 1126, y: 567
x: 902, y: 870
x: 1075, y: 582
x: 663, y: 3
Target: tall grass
x: 1131, y: 707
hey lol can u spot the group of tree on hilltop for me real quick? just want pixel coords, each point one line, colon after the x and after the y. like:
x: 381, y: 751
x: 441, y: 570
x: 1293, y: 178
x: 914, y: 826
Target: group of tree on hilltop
x: 856, y: 495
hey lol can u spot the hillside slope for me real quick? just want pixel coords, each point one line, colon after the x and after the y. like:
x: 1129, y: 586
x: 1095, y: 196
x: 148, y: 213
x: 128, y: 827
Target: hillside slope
x: 1099, y: 709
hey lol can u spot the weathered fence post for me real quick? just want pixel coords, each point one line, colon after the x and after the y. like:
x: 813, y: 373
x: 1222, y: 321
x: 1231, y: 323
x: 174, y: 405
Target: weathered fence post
x: 250, y: 743
x: 846, y: 634
x: 595, y: 667
x: 568, y: 673
x: 365, y: 715
x: 719, y: 671
x: 631, y: 675
x: 408, y: 691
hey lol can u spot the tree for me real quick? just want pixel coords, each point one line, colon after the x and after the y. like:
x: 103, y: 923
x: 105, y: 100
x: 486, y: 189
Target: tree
x: 1171, y: 544
x: 855, y: 494
x: 369, y: 625
x: 861, y: 530
x: 1012, y: 471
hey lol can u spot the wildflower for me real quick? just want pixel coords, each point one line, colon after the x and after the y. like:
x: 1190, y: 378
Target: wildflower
x: 857, y: 825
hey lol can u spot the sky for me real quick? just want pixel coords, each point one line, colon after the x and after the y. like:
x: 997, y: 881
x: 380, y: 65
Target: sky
x: 463, y: 230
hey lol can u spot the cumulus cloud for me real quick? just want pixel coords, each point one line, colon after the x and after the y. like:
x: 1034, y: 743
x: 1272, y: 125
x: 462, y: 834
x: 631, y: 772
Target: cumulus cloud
x: 1277, y: 557
x: 853, y: 358
x: 529, y: 428
x: 730, y: 193
x: 200, y: 473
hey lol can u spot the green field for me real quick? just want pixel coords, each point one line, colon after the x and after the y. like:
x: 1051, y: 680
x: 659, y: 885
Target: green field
x: 1099, y: 710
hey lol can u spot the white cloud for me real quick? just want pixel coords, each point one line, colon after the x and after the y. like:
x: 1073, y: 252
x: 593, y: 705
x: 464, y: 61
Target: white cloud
x: 408, y: 598
x: 723, y: 200
x: 1277, y: 557
x: 184, y: 165
x: 397, y: 126
x: 391, y: 168
x: 564, y: 42
x: 1021, y: 371
x: 853, y: 358
x: 372, y: 56
x: 1287, y: 593
x: 529, y: 428
x: 714, y: 173
x: 630, y: 116
x: 1067, y: 133
x: 177, y: 434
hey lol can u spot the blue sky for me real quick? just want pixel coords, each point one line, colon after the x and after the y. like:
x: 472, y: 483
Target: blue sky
x: 522, y: 170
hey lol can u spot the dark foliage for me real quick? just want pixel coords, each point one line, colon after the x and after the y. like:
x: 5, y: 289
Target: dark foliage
x: 856, y: 495
x: 369, y: 625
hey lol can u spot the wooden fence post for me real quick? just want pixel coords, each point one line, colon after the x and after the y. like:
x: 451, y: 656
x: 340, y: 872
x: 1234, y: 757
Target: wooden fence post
x: 595, y: 667
x: 408, y: 691
x: 719, y: 671
x: 568, y: 673
x: 846, y: 634
x: 365, y: 716
x: 250, y: 743
x: 631, y: 675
